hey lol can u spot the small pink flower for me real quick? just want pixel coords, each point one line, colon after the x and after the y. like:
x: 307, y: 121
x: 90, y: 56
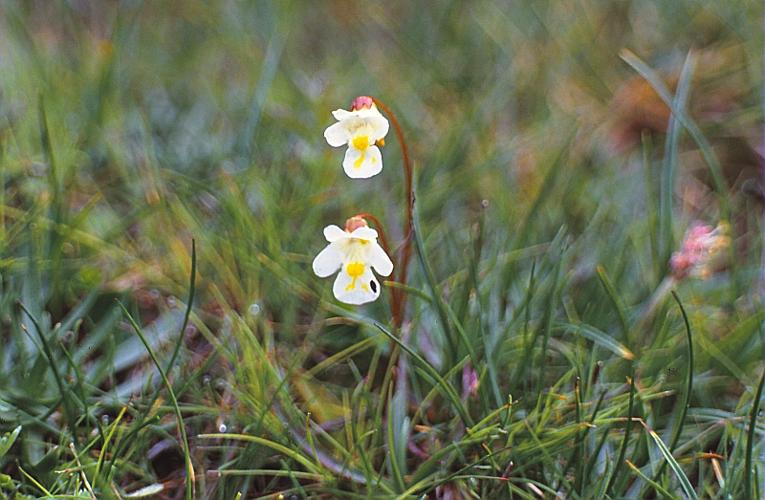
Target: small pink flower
x: 469, y: 381
x: 701, y: 245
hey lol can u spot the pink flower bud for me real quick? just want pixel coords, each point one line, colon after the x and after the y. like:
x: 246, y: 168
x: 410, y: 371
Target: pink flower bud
x: 701, y: 245
x: 469, y: 381
x: 362, y: 102
x: 354, y: 223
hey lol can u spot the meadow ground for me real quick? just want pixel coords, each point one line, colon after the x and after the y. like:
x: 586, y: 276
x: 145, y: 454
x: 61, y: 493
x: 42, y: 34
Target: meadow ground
x: 568, y: 327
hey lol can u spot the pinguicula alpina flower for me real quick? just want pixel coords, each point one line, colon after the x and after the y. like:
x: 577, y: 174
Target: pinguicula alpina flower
x: 361, y: 129
x: 701, y: 246
x: 354, y: 252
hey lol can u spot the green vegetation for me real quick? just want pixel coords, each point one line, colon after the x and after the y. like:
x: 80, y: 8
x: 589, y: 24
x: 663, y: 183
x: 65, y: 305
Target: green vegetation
x: 165, y: 186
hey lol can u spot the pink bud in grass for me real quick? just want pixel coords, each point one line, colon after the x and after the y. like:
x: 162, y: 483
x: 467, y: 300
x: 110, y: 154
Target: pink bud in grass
x: 469, y: 381
x: 701, y: 245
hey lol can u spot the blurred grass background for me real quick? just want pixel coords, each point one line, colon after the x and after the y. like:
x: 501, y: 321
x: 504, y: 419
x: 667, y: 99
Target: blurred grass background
x: 552, y: 188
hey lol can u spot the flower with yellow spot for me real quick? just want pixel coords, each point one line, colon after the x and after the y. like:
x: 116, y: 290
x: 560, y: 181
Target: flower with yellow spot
x: 361, y: 129
x: 354, y: 252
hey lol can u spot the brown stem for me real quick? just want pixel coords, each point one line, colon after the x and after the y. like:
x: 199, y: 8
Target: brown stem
x: 398, y: 305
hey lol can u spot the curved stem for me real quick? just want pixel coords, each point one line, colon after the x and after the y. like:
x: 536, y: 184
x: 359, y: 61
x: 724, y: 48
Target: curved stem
x: 399, y: 297
x: 378, y: 228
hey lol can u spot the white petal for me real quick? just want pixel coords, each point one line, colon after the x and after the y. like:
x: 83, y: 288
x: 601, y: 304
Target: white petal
x: 342, y: 114
x: 362, y: 164
x: 364, y: 233
x: 379, y: 260
x: 334, y: 233
x: 364, y: 289
x: 379, y: 126
x: 328, y: 261
x: 337, y: 134
x: 367, y: 112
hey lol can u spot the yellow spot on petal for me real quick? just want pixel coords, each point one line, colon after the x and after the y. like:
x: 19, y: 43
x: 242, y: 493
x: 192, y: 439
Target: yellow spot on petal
x: 354, y: 270
x: 360, y: 142
x: 359, y: 161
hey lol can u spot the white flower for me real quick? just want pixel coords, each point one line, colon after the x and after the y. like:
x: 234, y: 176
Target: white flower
x: 360, y: 129
x: 354, y: 251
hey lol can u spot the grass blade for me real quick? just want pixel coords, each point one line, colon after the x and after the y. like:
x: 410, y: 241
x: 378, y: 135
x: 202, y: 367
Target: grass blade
x: 189, y: 302
x: 680, y: 420
x: 750, y: 438
x: 693, y: 130
x: 189, y: 480
x: 616, y: 301
x: 669, y: 171
x: 685, y: 484
x: 289, y: 452
x: 678, y: 426
x: 600, y: 338
x: 422, y: 255
x: 392, y: 446
x: 56, y: 375
x: 659, y: 488
x: 7, y: 440
x: 627, y: 429
x: 447, y: 389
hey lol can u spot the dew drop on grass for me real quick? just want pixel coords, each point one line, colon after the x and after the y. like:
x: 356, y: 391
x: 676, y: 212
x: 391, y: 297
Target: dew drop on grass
x: 206, y: 379
x: 105, y: 419
x: 222, y: 428
x: 254, y: 309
